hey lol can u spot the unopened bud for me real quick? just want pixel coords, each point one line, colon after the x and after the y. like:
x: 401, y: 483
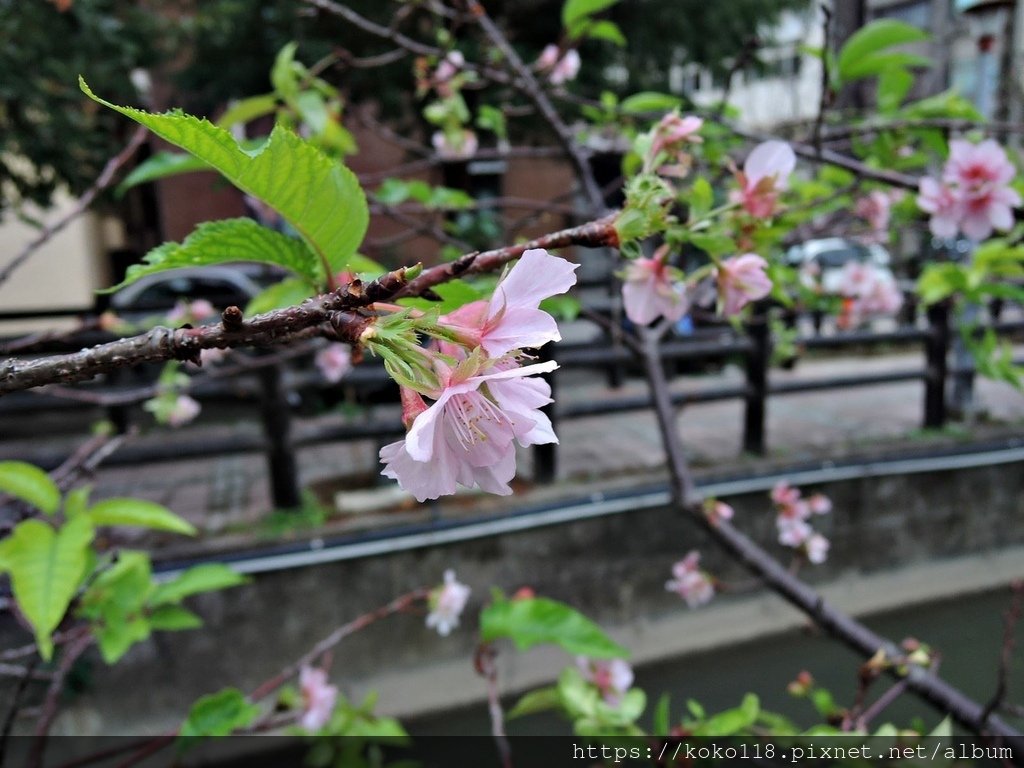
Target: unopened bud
x: 411, y: 273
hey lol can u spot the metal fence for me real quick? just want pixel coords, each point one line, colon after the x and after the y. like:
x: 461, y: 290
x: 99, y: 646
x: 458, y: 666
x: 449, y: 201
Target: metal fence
x: 270, y: 392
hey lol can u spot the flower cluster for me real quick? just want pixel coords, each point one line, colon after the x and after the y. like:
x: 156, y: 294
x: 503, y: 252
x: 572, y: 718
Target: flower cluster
x: 973, y: 195
x: 792, y: 513
x: 559, y: 66
x: 484, y: 400
x: 867, y: 291
x: 447, y: 603
x: 668, y: 143
x: 690, y: 582
x: 318, y: 698
x: 612, y: 677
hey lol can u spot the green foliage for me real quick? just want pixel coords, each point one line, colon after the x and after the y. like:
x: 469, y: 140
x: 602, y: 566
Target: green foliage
x: 114, y: 605
x: 225, y: 241
x: 454, y: 294
x: 537, y: 620
x: 46, y: 567
x: 356, y: 736
x: 209, y: 577
x: 866, y: 51
x: 731, y: 721
x: 138, y: 513
x: 397, y: 191
x: 330, y: 214
x: 647, y: 102
x: 284, y: 293
x: 160, y: 166
x: 218, y: 714
x: 591, y: 714
x: 29, y: 483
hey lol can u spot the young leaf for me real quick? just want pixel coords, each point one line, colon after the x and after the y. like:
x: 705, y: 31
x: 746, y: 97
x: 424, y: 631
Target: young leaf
x: 170, y: 618
x: 875, y: 37
x: 649, y: 101
x: 732, y: 720
x: 454, y: 294
x: 536, y: 620
x: 228, y: 240
x: 661, y: 721
x: 219, y: 714
x: 114, y: 603
x: 606, y: 30
x: 140, y: 513
x: 318, y: 196
x: 536, y: 701
x: 248, y: 109
x: 200, y: 578
x: 29, y: 483
x: 46, y: 567
x: 160, y: 166
x: 575, y: 11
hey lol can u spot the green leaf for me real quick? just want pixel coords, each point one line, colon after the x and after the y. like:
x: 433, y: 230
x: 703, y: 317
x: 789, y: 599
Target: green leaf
x: 893, y: 86
x: 662, y: 718
x: 113, y: 603
x: 536, y: 701
x: 875, y: 37
x: 29, y: 483
x: 564, y: 308
x: 248, y: 109
x: 702, y: 197
x: 46, y: 567
x: 219, y: 714
x: 139, y: 513
x: 229, y: 240
x: 284, y: 75
x: 575, y: 11
x: 200, y: 578
x: 76, y: 502
x: 880, y: 63
x: 318, y: 196
x: 285, y: 293
x: 536, y: 620
x: 649, y: 101
x: 172, y: 618
x: 732, y: 720
x: 454, y: 294
x: 713, y: 244
x: 160, y: 166
x: 606, y: 30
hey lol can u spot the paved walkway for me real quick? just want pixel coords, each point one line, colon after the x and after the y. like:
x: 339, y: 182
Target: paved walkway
x: 232, y: 493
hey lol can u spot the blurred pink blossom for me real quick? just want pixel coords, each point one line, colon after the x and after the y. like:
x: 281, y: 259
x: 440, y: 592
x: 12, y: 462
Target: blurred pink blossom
x: 869, y: 292
x: 318, y: 698
x: 446, y: 604
x: 513, y: 319
x: 819, y: 504
x: 765, y: 174
x: 691, y: 583
x: 560, y: 69
x: 670, y: 138
x: 875, y: 209
x: 816, y: 548
x: 793, y: 531
x: 446, y: 70
x: 650, y: 291
x: 741, y: 279
x: 184, y: 410
x: 334, y: 361
x: 458, y: 146
x: 716, y: 510
x: 613, y: 677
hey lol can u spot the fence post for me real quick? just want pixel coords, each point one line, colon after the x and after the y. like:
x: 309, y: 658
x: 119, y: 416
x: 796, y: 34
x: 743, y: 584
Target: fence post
x: 757, y: 382
x: 545, y: 456
x: 936, y: 351
x: 277, y: 428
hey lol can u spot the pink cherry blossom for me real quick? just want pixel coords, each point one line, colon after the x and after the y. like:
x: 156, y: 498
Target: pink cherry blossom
x: 875, y: 209
x: 560, y: 69
x: 613, y: 677
x: 458, y: 146
x: 974, y: 195
x: 816, y: 548
x: 649, y: 291
x: 765, y: 174
x: 184, y: 410
x: 793, y: 531
x: 785, y: 494
x: 741, y: 279
x: 670, y: 138
x: 691, y: 583
x: 334, y: 361
x: 512, y: 319
x: 446, y: 70
x: 467, y: 436
x: 819, y: 504
x: 869, y: 292
x: 716, y: 510
x: 318, y: 698
x: 446, y: 604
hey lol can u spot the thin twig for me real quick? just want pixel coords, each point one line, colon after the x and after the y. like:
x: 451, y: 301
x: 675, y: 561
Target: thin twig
x: 1010, y: 620
x: 484, y: 663
x: 81, y: 205
x: 12, y: 712
x: 48, y: 712
x: 826, y: 85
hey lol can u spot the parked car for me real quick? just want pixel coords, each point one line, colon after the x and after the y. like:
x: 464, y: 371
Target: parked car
x: 830, y: 256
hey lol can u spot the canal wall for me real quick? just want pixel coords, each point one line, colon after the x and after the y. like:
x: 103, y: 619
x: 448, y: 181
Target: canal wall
x: 938, y: 526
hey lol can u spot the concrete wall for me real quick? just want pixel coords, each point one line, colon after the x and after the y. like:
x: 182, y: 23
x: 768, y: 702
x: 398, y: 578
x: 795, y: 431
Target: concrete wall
x: 896, y: 540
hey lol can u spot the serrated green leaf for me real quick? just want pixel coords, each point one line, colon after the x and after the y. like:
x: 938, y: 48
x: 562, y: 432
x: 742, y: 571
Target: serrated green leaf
x: 318, y: 196
x: 537, y: 620
x: 229, y: 240
x: 173, y: 618
x: 649, y: 101
x: 29, y: 483
x: 875, y: 37
x: 46, y: 567
x: 138, y: 513
x: 540, y: 700
x: 713, y: 244
x: 285, y: 293
x: 219, y: 714
x: 113, y: 603
x: 201, y: 578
